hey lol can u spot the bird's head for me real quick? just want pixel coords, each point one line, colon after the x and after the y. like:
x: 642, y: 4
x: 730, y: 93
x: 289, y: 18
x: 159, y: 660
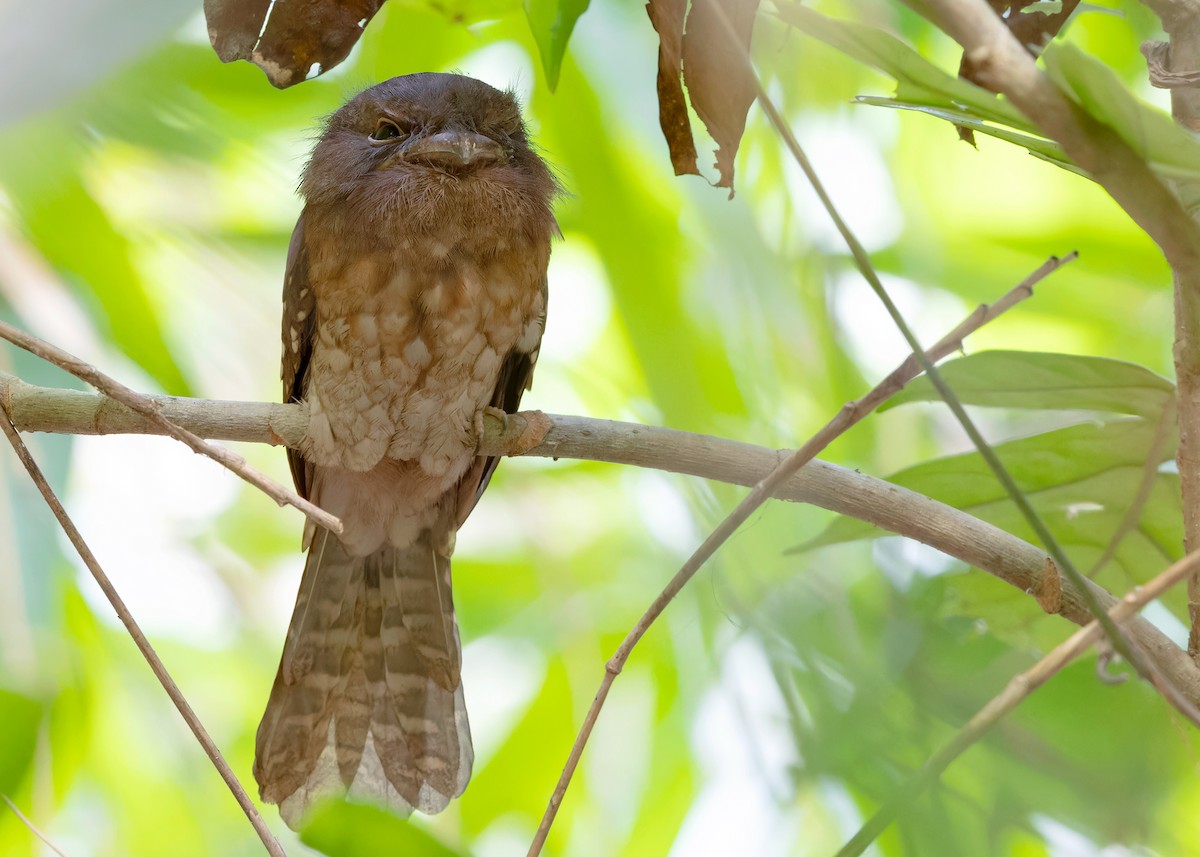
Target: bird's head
x: 424, y: 151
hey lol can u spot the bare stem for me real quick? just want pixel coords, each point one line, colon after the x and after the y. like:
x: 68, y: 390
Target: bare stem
x: 147, y: 407
x: 32, y: 827
x: 139, y: 639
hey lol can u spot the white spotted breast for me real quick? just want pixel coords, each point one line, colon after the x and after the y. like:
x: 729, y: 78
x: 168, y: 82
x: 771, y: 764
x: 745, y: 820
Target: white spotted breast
x: 405, y: 356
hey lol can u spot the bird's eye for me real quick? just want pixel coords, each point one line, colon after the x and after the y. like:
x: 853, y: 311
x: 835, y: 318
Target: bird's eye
x: 387, y: 130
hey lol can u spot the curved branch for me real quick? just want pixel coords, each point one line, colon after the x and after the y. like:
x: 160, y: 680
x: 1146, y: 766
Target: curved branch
x: 829, y: 486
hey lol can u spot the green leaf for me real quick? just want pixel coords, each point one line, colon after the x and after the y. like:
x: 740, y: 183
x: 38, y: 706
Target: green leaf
x: 1081, y: 479
x: 1039, y: 147
x: 918, y: 80
x: 74, y: 233
x: 341, y: 829
x: 1047, y: 381
x: 22, y: 717
x: 1167, y: 148
x: 1151, y: 133
x: 551, y: 22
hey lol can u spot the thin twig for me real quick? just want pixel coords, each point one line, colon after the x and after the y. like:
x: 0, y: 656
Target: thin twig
x: 139, y: 639
x: 850, y: 414
x: 150, y: 410
x: 1145, y: 488
x: 1017, y: 690
x: 32, y: 827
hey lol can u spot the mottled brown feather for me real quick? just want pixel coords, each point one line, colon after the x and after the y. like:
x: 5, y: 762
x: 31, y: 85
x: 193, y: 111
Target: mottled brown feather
x: 414, y: 295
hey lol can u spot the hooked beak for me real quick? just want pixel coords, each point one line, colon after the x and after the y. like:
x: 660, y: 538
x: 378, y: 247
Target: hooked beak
x: 455, y: 149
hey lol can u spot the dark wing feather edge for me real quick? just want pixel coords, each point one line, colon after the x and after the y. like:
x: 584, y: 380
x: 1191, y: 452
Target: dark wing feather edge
x: 299, y: 326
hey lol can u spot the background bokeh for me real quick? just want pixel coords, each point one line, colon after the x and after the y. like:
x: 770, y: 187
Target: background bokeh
x: 146, y: 199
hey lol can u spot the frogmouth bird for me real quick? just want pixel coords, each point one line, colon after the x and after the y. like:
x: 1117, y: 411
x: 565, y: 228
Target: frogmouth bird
x: 414, y: 298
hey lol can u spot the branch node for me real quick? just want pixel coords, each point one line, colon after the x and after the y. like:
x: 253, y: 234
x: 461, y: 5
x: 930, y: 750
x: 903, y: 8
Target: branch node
x: 1049, y: 591
x: 537, y: 426
x: 1157, y: 56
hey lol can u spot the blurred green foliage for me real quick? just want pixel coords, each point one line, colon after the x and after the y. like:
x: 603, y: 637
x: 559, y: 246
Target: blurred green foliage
x: 146, y: 199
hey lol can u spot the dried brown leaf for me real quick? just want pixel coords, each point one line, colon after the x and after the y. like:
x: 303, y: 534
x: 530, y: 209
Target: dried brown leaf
x: 719, y: 80
x: 667, y: 17
x: 300, y: 39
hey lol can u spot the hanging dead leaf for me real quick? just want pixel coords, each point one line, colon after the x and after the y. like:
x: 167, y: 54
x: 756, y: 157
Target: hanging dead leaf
x: 667, y: 17
x: 719, y: 80
x: 290, y: 40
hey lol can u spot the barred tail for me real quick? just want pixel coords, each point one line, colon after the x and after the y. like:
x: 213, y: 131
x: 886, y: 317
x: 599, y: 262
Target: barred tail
x: 368, y: 698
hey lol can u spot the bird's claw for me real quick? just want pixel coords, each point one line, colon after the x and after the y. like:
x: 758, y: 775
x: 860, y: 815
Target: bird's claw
x: 489, y: 410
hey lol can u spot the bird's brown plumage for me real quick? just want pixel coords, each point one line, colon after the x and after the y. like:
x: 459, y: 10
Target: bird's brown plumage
x: 415, y: 295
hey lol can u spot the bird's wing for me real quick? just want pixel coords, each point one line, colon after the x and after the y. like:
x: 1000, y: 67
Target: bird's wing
x: 299, y: 325
x: 516, y: 376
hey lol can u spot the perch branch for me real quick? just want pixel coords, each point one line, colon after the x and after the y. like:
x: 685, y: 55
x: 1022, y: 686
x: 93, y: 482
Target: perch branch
x: 139, y: 639
x: 838, y: 489
x: 147, y: 407
x: 1018, y: 688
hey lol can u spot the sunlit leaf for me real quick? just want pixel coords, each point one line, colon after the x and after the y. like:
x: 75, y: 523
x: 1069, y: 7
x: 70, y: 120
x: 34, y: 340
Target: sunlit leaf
x: 1082, y: 479
x: 1047, y: 381
x: 1150, y: 132
x: 1039, y: 147
x: 552, y: 22
x: 918, y: 80
x: 923, y: 86
x: 22, y: 717
x: 340, y: 829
